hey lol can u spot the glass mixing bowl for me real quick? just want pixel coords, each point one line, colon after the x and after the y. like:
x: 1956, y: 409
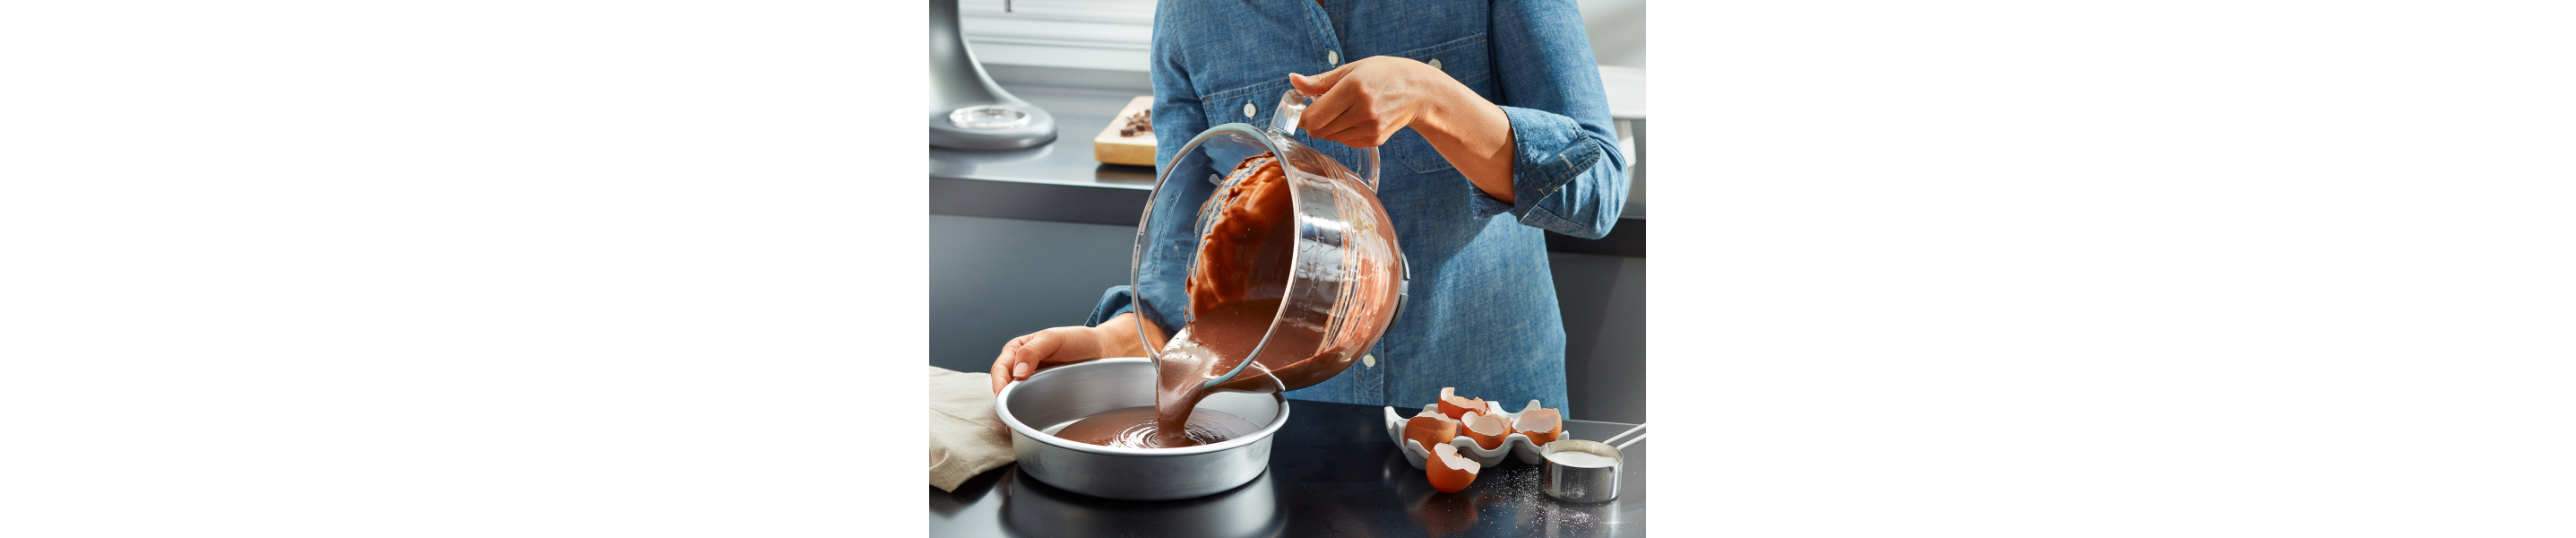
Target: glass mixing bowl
x: 1345, y: 279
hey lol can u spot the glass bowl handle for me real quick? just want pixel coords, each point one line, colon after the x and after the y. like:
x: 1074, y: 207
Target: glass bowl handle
x: 1283, y: 120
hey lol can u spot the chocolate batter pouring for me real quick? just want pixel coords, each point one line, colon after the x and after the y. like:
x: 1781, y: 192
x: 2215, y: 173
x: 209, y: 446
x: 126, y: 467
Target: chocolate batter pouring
x: 1235, y: 292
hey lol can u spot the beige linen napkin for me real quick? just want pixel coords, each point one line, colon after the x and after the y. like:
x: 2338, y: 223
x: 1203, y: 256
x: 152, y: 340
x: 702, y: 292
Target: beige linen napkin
x: 966, y: 437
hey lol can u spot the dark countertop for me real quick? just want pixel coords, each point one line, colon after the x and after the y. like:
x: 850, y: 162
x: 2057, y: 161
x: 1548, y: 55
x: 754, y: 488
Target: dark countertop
x: 1332, y: 473
x: 1060, y: 181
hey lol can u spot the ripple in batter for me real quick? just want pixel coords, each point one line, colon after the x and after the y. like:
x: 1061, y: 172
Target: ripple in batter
x: 1134, y: 427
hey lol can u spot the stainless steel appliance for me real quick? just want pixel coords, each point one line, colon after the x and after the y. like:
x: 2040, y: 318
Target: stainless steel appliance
x: 968, y: 110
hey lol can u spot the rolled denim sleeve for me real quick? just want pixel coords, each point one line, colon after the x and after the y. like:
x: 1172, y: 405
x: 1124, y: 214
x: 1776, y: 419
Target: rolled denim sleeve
x: 1567, y: 173
x: 1112, y: 303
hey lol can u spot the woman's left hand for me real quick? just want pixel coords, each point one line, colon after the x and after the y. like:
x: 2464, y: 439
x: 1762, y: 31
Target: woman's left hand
x: 1363, y: 103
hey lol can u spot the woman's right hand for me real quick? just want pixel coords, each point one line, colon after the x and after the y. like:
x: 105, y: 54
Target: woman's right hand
x: 1026, y: 354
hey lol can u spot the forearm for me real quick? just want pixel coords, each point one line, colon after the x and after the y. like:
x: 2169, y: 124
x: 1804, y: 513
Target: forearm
x: 1117, y: 337
x: 1568, y: 175
x: 1473, y: 135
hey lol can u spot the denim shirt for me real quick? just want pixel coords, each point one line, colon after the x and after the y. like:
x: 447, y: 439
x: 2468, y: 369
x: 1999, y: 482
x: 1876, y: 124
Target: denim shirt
x: 1482, y: 315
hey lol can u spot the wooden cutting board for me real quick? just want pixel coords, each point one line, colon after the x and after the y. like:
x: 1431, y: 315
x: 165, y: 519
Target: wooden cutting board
x: 1136, y: 150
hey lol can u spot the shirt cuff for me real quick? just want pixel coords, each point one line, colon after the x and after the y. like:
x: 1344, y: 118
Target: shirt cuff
x: 1112, y: 303
x: 1549, y: 150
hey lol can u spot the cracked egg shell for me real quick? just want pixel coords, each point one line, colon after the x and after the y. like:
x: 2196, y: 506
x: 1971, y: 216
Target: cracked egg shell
x: 1431, y: 430
x: 1488, y: 431
x: 1453, y: 406
x: 1448, y: 471
x: 1541, y: 425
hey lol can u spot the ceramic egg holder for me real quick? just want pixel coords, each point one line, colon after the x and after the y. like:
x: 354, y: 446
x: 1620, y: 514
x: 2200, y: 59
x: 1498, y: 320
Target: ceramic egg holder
x: 1516, y: 445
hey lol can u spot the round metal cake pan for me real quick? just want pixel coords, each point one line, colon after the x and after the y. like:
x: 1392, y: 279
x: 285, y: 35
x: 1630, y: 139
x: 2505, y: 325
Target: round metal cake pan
x: 1047, y: 401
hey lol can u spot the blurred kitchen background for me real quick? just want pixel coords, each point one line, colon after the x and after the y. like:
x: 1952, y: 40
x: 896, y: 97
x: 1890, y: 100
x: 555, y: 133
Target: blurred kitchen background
x: 1023, y: 240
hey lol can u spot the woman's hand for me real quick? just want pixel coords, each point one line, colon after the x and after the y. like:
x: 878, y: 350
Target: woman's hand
x: 1026, y: 354
x: 1363, y: 103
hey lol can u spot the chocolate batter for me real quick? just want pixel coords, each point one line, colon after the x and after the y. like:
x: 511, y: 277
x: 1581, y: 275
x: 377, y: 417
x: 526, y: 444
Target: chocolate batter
x: 1235, y: 293
x: 1246, y: 253
x: 1134, y: 427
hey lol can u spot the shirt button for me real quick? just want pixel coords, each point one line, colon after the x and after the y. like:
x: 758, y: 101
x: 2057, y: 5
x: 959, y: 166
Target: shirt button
x: 1332, y: 57
x: 1247, y: 110
x: 1370, y: 360
x: 1435, y: 63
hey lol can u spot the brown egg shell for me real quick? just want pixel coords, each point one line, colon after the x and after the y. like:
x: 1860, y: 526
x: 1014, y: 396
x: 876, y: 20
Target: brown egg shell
x: 1488, y: 431
x: 1430, y: 429
x: 1448, y: 471
x: 1542, y: 426
x: 1453, y: 406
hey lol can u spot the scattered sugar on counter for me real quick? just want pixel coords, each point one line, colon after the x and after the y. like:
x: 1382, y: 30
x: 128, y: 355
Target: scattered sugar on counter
x: 1581, y: 459
x: 1519, y: 484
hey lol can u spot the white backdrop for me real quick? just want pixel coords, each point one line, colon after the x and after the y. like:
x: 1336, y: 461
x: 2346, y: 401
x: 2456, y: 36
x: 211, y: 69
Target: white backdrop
x: 1112, y: 34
